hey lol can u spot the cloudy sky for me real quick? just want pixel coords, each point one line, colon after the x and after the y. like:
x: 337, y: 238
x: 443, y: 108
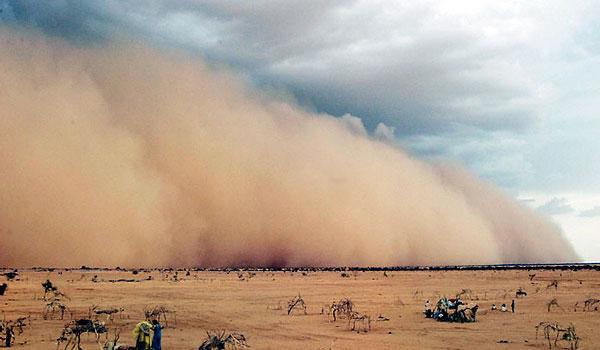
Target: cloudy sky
x: 510, y: 89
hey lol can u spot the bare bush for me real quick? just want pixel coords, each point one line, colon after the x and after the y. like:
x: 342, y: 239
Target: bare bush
x: 520, y: 293
x: 56, y: 307
x: 553, y: 283
x: 362, y: 319
x: 342, y: 308
x: 217, y: 340
x: 160, y: 313
x: 71, y: 333
x: 554, y: 303
x: 109, y: 312
x: 553, y: 333
x: 296, y: 303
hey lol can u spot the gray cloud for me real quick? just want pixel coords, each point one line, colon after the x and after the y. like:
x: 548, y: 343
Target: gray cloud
x: 497, y: 156
x: 556, y: 206
x: 463, y: 83
x: 591, y: 213
x: 412, y: 66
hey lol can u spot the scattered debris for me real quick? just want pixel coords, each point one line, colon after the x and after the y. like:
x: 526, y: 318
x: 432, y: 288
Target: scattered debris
x: 520, y: 293
x: 128, y: 280
x: 382, y: 318
x: 11, y: 275
x: 591, y: 304
x: 247, y: 276
x: 217, y: 340
x: 278, y: 307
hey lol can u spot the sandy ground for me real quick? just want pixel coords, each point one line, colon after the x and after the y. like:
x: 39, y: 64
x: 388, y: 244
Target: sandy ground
x: 218, y: 300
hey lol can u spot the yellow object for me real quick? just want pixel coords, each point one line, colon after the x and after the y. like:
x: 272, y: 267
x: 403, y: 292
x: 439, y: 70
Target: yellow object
x: 143, y: 333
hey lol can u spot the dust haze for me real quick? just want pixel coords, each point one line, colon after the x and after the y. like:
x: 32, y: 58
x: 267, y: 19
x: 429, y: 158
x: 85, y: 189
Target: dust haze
x: 121, y: 155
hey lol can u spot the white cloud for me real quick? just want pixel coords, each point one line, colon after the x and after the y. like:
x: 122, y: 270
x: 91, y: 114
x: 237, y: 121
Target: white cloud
x: 556, y: 206
x: 591, y: 213
x: 384, y: 132
x: 582, y: 231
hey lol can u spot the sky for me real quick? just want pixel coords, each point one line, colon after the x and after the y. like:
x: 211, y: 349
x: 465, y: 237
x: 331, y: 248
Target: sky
x: 509, y: 89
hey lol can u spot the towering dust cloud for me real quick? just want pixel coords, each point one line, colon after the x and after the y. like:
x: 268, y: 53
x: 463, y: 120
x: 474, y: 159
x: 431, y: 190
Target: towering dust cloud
x: 128, y: 156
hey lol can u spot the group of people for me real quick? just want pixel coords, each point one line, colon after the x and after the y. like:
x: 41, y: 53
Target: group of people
x: 148, y: 335
x: 503, y: 307
x: 450, y: 310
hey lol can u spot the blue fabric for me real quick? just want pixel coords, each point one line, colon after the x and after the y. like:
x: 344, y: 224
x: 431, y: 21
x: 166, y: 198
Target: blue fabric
x: 157, y: 337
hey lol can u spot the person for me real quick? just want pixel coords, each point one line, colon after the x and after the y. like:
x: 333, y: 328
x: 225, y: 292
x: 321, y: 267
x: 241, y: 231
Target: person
x: 503, y: 308
x: 142, y: 336
x: 9, y: 335
x: 494, y: 307
x: 427, y: 310
x: 156, y: 338
x: 512, y: 306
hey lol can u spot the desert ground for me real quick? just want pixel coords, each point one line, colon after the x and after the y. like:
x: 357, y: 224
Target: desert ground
x: 256, y: 305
